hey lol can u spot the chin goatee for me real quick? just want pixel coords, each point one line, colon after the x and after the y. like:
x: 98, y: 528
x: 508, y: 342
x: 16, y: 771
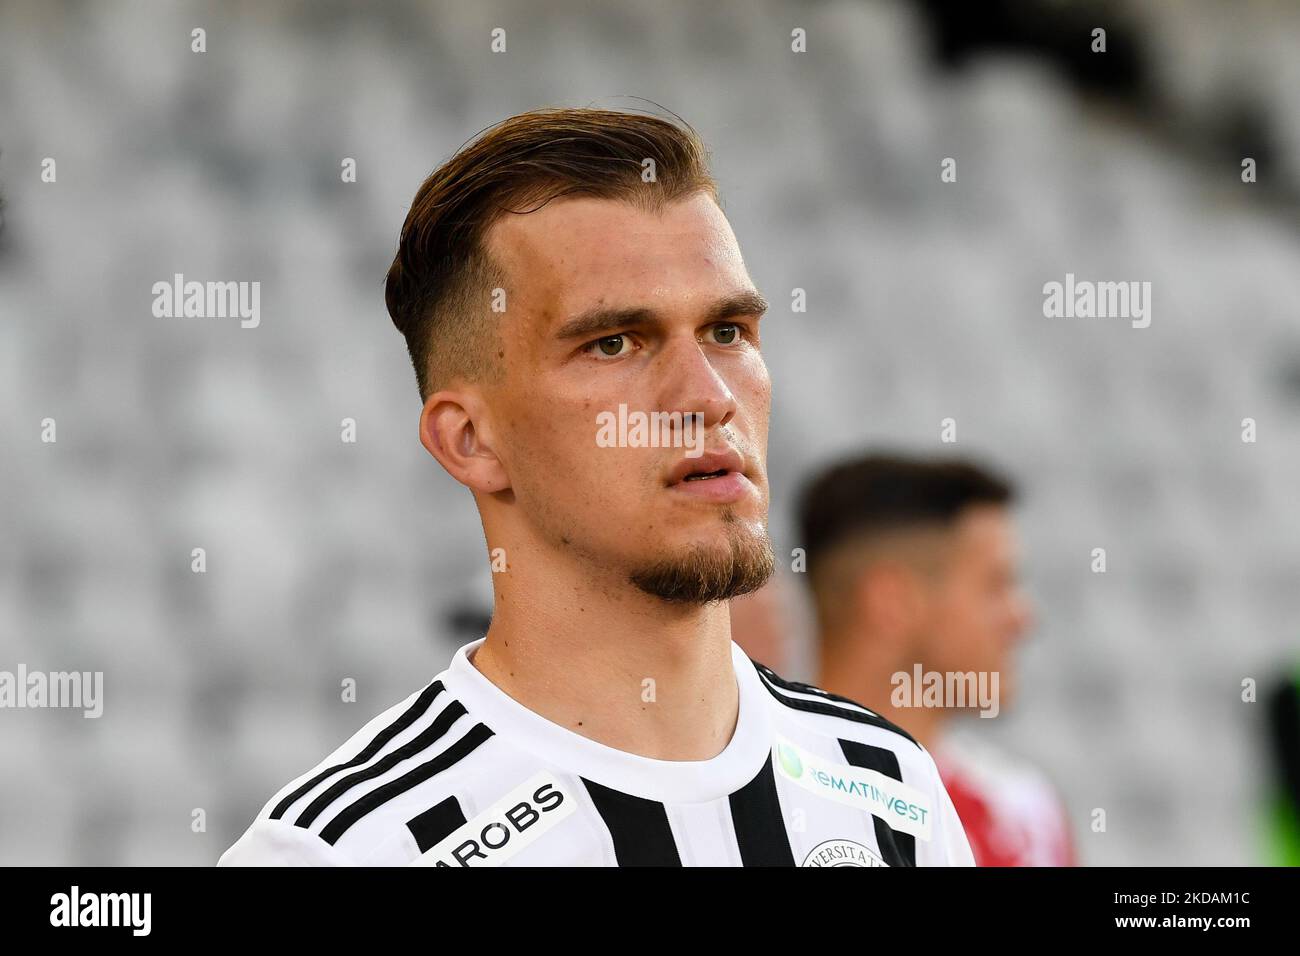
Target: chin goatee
x: 703, y: 575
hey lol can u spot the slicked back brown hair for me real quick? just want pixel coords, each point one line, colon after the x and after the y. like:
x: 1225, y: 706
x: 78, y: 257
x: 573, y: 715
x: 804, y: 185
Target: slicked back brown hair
x: 440, y: 285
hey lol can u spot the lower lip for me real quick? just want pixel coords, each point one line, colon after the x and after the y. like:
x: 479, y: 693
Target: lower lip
x: 725, y: 489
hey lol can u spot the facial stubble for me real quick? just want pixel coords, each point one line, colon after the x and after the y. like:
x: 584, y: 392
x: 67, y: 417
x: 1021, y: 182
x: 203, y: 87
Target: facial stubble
x: 703, y: 574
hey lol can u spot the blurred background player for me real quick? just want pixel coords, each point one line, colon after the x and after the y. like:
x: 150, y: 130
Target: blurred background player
x: 763, y: 622
x: 913, y: 562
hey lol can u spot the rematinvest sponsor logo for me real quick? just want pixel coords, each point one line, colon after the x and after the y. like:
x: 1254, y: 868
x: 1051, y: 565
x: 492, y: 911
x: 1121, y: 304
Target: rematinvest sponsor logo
x: 903, y: 807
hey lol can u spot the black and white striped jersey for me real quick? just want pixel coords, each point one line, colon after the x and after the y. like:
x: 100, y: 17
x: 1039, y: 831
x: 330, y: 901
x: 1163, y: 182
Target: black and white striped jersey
x: 460, y: 774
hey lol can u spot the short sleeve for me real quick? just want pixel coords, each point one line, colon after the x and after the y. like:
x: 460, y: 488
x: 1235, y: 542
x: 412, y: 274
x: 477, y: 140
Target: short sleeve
x: 277, y: 843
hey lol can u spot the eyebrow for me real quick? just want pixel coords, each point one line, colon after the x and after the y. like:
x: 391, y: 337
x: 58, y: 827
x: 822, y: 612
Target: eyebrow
x: 605, y: 319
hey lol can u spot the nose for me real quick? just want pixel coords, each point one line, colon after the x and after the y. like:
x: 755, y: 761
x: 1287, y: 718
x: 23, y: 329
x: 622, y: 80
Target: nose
x: 692, y: 385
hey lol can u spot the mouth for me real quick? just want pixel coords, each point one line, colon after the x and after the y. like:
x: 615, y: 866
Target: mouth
x: 718, y: 487
x: 707, y: 467
x: 716, y: 477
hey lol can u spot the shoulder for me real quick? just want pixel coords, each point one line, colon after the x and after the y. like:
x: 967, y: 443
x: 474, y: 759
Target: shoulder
x: 839, y: 745
x: 1000, y: 774
x: 842, y: 727
x: 1024, y: 798
x: 839, y: 714
x: 367, y: 801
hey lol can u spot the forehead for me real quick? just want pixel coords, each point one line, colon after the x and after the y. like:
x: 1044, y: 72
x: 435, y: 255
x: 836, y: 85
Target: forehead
x: 576, y: 252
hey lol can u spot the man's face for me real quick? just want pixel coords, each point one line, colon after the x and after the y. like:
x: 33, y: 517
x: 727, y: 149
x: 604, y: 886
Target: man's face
x: 609, y: 305
x: 977, y: 613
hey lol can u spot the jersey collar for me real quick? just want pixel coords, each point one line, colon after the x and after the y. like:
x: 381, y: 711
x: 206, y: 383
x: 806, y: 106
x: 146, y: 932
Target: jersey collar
x: 668, y: 781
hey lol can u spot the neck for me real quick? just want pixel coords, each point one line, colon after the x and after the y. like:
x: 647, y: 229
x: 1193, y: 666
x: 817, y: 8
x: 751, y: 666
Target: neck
x: 595, y: 655
x: 860, y: 666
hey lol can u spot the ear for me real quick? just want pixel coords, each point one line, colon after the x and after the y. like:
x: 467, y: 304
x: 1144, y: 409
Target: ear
x: 889, y: 595
x: 454, y: 428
